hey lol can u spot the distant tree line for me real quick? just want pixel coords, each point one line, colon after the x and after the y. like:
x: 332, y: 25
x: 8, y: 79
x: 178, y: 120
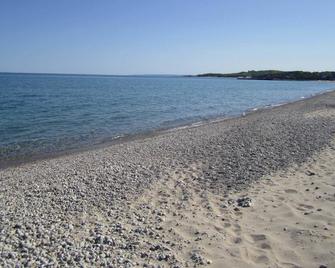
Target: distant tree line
x: 276, y: 75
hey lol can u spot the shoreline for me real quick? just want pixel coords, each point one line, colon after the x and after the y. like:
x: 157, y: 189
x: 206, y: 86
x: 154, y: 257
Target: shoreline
x: 123, y: 138
x: 170, y: 199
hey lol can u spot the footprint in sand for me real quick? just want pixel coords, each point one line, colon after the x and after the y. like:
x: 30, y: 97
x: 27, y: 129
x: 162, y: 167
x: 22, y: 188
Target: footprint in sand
x: 265, y: 246
x: 261, y: 238
x: 258, y: 237
x: 306, y: 206
x: 262, y: 259
x: 290, y: 191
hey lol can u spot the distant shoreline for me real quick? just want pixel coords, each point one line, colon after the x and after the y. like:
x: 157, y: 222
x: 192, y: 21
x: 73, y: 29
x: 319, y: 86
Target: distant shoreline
x: 276, y: 75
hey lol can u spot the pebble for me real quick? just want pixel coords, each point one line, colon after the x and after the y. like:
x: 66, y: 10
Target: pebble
x: 244, y: 202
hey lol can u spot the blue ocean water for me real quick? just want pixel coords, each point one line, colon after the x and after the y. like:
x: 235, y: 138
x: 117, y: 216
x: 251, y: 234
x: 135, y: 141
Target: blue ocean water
x: 41, y: 113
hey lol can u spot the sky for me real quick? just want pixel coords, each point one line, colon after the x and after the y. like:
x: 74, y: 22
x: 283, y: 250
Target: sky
x: 166, y: 37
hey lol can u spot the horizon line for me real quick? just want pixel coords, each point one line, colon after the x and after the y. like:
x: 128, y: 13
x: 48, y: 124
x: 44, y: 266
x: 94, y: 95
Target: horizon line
x: 89, y: 74
x: 147, y: 74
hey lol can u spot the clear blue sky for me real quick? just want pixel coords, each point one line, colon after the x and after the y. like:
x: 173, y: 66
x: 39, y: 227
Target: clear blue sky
x: 166, y: 37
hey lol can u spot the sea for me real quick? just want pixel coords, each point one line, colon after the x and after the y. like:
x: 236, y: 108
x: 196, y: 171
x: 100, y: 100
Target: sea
x: 42, y: 114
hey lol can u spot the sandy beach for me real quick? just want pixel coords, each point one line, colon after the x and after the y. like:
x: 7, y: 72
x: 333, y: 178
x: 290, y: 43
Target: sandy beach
x: 252, y: 191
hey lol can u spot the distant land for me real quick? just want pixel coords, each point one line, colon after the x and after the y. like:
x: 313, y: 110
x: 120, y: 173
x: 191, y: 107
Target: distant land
x: 275, y: 75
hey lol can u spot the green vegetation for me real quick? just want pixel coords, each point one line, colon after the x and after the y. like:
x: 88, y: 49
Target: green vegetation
x: 276, y: 75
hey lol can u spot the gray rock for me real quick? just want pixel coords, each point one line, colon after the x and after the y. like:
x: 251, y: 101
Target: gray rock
x: 244, y: 202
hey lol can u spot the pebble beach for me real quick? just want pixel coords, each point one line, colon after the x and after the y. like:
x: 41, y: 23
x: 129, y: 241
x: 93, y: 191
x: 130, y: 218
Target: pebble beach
x: 252, y: 191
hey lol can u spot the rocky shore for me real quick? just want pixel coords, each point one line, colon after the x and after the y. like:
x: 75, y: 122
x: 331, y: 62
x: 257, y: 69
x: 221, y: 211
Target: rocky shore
x: 116, y: 206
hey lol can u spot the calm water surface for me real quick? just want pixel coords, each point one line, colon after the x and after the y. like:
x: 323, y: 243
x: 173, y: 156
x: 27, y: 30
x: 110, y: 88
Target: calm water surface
x: 50, y: 113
